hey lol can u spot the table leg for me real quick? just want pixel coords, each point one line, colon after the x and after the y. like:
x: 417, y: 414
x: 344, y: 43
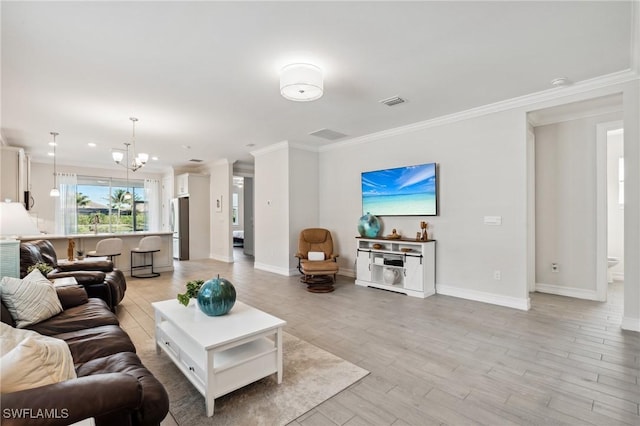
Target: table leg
x: 209, y: 397
x: 279, y: 353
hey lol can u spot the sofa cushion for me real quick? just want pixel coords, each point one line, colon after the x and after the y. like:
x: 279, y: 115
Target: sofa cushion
x: 31, y: 299
x: 30, y: 360
x: 94, y: 313
x: 96, y: 342
x: 155, y: 403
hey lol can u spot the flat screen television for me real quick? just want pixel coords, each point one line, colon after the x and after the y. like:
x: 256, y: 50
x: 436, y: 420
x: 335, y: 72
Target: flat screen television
x: 402, y: 191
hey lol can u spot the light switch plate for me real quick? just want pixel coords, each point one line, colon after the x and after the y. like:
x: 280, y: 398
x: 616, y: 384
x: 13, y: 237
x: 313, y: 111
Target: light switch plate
x: 493, y: 220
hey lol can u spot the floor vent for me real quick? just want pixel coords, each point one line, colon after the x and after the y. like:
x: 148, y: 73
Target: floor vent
x: 393, y: 101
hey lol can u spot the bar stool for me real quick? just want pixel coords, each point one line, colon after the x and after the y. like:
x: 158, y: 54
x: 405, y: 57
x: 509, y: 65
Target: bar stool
x: 109, y: 247
x: 147, y: 245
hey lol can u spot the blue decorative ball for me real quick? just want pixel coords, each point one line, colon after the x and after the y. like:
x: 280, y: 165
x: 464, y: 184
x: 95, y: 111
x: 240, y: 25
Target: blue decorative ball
x: 369, y: 226
x: 216, y: 297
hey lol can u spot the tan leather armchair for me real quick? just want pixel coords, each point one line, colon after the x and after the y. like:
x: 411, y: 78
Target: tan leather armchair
x: 316, y: 260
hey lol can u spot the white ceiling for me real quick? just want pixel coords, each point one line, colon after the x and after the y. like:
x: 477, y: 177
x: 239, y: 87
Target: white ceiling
x: 205, y: 74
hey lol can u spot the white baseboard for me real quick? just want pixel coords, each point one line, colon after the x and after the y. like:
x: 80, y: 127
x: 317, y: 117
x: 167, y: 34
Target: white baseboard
x: 275, y: 269
x: 631, y: 324
x: 578, y: 293
x: 225, y: 259
x: 347, y: 272
x: 523, y: 304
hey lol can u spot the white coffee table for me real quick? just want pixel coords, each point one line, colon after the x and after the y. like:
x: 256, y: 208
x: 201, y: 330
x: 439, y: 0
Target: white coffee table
x: 219, y: 354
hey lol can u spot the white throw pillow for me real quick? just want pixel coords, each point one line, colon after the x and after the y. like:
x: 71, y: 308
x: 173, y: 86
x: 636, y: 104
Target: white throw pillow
x: 30, y: 360
x: 30, y: 300
x: 316, y: 255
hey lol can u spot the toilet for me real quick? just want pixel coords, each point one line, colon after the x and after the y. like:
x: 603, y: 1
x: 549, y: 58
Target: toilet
x: 611, y: 262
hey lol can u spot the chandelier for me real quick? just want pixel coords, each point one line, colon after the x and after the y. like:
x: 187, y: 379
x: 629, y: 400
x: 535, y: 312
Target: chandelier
x: 138, y: 160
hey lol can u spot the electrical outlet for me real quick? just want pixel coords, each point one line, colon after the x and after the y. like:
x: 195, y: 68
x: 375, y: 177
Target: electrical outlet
x: 555, y: 267
x: 497, y: 275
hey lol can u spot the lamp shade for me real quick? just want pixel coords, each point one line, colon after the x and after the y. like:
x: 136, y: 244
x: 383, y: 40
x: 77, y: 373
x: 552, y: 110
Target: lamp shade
x: 15, y: 221
x: 143, y: 157
x: 117, y: 155
x: 301, y: 82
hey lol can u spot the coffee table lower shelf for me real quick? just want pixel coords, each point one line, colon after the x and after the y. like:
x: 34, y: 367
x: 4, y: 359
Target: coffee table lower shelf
x: 233, y: 364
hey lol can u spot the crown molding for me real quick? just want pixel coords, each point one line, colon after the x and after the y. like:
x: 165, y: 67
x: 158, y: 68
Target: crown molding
x: 270, y: 148
x: 518, y: 102
x: 283, y: 145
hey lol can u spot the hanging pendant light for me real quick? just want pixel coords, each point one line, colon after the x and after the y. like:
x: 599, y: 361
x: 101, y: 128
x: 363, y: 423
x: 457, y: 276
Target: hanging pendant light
x: 54, y: 191
x: 139, y: 160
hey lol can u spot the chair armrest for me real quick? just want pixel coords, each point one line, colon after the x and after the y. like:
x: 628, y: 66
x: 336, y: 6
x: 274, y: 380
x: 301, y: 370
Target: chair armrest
x: 300, y: 256
x: 334, y: 256
x: 72, y: 400
x: 73, y: 295
x: 86, y: 265
x: 82, y: 277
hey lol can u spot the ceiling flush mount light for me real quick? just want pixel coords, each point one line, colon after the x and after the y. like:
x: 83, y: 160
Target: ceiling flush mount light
x: 301, y: 82
x: 54, y: 191
x: 138, y: 161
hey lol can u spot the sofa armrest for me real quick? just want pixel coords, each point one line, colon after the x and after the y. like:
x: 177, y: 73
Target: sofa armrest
x: 72, y: 400
x: 73, y: 295
x: 82, y: 277
x: 86, y: 265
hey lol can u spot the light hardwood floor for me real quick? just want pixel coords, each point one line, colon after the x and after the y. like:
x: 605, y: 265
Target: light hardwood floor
x: 439, y: 360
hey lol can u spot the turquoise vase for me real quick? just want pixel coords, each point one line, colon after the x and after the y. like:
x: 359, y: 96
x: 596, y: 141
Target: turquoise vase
x: 369, y: 226
x: 216, y: 297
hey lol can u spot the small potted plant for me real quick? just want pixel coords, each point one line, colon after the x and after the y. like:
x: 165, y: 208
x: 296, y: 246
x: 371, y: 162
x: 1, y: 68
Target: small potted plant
x: 80, y: 254
x: 44, y: 268
x: 193, y: 287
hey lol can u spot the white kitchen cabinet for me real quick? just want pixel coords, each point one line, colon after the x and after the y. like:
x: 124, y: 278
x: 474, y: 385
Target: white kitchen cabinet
x: 13, y: 170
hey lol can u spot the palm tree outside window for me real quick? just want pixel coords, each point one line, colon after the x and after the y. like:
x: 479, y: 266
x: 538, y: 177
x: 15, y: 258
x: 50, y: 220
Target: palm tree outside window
x: 102, y: 206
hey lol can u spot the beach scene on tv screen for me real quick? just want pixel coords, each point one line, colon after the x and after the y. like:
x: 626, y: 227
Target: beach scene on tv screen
x: 403, y: 191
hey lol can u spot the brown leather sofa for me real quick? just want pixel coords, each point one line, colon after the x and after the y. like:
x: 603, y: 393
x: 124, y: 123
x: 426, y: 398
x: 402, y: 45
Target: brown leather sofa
x: 99, y: 278
x: 112, y: 385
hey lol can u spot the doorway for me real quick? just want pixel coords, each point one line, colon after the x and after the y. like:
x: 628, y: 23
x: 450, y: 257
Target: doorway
x: 569, y: 210
x: 610, y: 160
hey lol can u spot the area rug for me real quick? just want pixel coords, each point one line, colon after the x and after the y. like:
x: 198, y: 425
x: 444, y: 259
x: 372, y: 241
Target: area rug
x: 311, y: 376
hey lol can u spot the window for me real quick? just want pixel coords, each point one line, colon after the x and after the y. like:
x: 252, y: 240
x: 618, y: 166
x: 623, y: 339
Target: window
x: 103, y: 207
x: 234, y: 209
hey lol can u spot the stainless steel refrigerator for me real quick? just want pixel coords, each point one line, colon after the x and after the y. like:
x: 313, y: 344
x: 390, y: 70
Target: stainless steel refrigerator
x: 179, y: 222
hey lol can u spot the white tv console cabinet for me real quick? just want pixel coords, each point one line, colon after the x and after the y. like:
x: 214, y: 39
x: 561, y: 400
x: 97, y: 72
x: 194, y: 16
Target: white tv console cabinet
x: 400, y: 265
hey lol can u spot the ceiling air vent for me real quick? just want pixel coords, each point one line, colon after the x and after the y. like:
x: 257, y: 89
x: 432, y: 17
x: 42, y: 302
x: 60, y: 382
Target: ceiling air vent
x: 329, y: 134
x: 395, y: 100
x: 195, y: 160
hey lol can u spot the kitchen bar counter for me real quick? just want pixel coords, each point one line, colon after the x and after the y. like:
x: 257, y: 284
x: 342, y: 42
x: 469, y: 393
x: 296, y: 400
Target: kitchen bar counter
x: 162, y: 260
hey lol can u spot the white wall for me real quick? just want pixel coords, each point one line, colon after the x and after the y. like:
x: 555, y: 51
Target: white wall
x: 566, y: 206
x: 482, y: 172
x: 303, y: 197
x: 631, y: 102
x: 221, y: 181
x: 286, y: 201
x: 271, y: 225
x: 615, y: 212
